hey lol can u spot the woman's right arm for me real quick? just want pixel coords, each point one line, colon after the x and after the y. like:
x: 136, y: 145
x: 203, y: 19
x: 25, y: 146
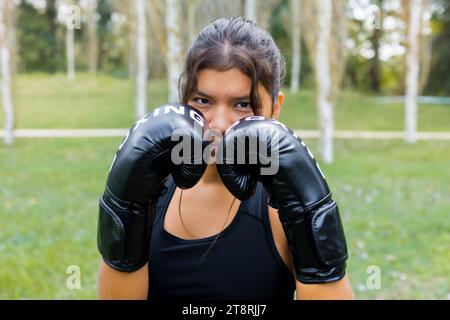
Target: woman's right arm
x: 117, y: 285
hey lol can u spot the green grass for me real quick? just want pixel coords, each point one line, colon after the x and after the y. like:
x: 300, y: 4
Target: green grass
x: 44, y: 101
x: 394, y: 198
x: 357, y: 111
x: 394, y: 201
x: 48, y: 209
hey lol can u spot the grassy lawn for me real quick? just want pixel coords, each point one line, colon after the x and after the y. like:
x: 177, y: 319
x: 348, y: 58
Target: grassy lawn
x: 44, y: 101
x: 357, y: 111
x: 394, y: 198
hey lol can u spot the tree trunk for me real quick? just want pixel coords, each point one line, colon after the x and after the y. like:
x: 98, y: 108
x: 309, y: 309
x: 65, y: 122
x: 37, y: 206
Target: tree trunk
x: 264, y: 11
x: 141, y: 57
x: 296, y: 46
x: 192, y: 9
x: 174, y: 48
x: 12, y: 41
x: 92, y: 35
x: 51, y: 13
x: 250, y: 10
x: 72, y: 21
x: 412, y: 73
x: 425, y: 46
x: 323, y: 78
x: 337, y: 50
x: 6, y: 7
x: 131, y: 29
x: 425, y: 61
x: 70, y: 54
x: 375, y: 70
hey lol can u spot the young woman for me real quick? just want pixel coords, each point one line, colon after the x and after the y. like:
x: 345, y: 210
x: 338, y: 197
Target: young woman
x: 206, y: 243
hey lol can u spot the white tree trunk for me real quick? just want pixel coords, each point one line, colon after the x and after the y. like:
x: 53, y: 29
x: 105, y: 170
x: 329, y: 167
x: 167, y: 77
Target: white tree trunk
x: 412, y: 73
x: 323, y: 78
x: 70, y: 53
x: 92, y: 35
x: 141, y: 52
x: 174, y: 48
x: 296, y: 45
x: 250, y: 10
x: 132, y: 39
x: 6, y: 75
x: 192, y: 9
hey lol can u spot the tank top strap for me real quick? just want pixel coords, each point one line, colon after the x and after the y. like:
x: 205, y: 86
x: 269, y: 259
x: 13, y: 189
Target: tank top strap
x: 257, y: 205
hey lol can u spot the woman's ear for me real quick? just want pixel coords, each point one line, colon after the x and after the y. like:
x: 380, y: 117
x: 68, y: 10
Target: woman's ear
x: 277, y: 105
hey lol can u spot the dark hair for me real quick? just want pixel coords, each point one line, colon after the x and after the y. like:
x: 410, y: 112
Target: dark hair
x: 239, y: 43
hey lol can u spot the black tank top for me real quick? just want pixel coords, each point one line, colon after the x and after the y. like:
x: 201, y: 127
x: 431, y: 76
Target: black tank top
x: 243, y: 262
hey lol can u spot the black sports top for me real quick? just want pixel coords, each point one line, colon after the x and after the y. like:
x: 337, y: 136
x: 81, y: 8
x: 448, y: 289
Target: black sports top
x: 243, y: 262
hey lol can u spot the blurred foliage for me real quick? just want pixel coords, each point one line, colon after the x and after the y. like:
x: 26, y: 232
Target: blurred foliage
x: 278, y: 25
x: 112, y: 57
x: 439, y: 81
x: 41, y: 46
x: 41, y: 40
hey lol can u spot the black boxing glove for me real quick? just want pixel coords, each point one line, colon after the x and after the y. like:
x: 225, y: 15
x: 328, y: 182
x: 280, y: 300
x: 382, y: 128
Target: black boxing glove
x: 142, y: 163
x: 258, y: 149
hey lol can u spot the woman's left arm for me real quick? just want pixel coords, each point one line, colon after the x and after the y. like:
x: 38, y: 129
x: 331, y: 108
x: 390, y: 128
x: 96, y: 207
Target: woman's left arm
x: 337, y: 290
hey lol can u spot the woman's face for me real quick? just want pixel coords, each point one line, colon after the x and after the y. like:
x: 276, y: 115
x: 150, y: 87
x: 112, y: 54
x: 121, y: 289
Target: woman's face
x: 224, y: 97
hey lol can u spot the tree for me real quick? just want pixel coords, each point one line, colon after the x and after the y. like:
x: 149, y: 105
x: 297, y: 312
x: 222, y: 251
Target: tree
x: 250, y: 10
x: 412, y: 73
x: 325, y: 33
x: 264, y: 12
x: 141, y: 57
x: 6, y: 26
x: 126, y: 33
x: 91, y: 17
x: 323, y: 78
x: 158, y: 32
x: 193, y: 15
x: 192, y: 7
x: 439, y: 83
x: 200, y: 13
x: 296, y: 45
x: 175, y: 47
x: 375, y: 68
x: 70, y: 53
x: 70, y: 16
x: 37, y: 28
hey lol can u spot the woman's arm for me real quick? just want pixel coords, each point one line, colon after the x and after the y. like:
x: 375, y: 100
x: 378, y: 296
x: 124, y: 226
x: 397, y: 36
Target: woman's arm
x: 113, y: 284
x: 337, y: 290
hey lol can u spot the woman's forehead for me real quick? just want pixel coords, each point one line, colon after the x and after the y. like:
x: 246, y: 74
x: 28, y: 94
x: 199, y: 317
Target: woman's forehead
x: 231, y: 82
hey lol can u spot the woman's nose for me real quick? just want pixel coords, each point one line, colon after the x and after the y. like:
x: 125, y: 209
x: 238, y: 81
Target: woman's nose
x: 220, y: 118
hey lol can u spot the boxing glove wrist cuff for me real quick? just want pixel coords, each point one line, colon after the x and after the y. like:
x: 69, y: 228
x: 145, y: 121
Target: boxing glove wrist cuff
x: 317, y: 242
x: 123, y: 234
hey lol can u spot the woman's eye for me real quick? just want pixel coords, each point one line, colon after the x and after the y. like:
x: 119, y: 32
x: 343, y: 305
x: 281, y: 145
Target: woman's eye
x: 243, y: 105
x: 201, y: 101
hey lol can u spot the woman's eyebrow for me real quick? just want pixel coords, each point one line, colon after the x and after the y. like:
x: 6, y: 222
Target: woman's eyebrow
x: 203, y: 94
x: 244, y: 97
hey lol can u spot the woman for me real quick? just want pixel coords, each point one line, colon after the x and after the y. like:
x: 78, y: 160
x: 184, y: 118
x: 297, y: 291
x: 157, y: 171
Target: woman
x: 205, y: 242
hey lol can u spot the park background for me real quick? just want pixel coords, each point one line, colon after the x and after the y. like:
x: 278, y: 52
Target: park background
x: 367, y: 87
